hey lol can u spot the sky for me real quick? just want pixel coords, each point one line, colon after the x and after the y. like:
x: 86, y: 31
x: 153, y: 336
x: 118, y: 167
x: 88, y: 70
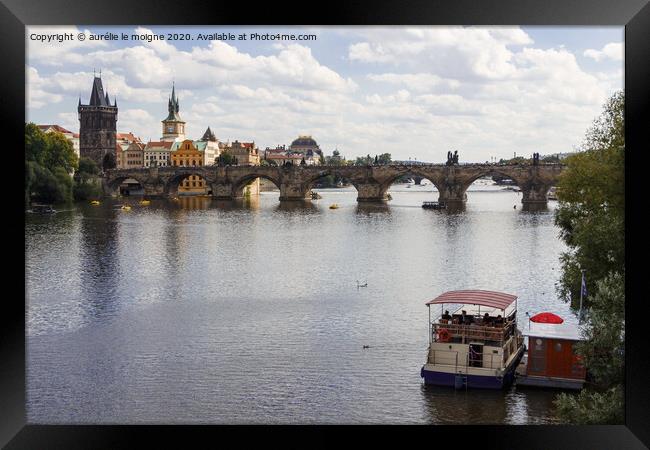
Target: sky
x: 413, y: 92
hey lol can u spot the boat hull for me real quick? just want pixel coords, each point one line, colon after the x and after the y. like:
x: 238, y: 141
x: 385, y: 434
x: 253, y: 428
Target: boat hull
x: 487, y: 381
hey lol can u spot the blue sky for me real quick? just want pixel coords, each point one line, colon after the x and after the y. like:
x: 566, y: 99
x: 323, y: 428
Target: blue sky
x: 414, y: 92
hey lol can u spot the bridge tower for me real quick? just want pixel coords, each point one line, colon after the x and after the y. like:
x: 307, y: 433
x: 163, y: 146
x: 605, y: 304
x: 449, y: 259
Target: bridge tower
x: 98, y: 127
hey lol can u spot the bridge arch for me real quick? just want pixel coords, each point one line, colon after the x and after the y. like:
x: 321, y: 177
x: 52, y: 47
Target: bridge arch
x: 113, y: 183
x: 412, y: 171
x: 174, y: 181
x: 330, y: 171
x: 239, y: 184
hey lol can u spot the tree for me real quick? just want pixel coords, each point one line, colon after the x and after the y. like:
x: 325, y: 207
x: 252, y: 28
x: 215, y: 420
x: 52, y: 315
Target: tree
x: 49, y: 162
x: 592, y: 203
x: 35, y: 144
x: 225, y: 159
x: 603, y: 355
x: 86, y: 184
x: 335, y: 159
x: 591, y: 221
x: 384, y: 158
x: 59, y: 153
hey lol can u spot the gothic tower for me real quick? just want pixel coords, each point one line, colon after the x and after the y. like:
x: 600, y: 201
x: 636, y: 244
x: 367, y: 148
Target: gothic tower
x: 173, y: 126
x: 98, y: 127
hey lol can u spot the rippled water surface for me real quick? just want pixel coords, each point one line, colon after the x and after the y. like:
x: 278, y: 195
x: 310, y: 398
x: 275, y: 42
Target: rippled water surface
x: 201, y: 311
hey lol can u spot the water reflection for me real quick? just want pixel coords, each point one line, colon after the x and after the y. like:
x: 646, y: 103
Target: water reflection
x: 194, y: 202
x: 446, y: 406
x: 369, y: 208
x: 534, y: 207
x: 98, y: 254
x: 297, y: 206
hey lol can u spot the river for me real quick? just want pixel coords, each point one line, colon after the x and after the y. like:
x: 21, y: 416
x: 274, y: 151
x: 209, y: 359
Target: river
x: 201, y: 311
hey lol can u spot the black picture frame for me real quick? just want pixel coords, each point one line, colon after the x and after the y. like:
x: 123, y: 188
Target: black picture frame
x: 633, y: 14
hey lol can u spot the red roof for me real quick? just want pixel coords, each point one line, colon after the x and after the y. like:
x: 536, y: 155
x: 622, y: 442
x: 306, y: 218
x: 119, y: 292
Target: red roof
x: 165, y: 144
x: 58, y: 128
x: 128, y: 137
x: 498, y: 300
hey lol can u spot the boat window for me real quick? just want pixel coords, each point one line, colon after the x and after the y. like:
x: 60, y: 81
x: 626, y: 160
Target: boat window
x: 558, y: 347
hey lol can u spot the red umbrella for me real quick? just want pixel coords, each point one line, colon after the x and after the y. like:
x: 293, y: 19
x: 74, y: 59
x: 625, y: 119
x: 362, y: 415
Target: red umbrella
x: 546, y: 317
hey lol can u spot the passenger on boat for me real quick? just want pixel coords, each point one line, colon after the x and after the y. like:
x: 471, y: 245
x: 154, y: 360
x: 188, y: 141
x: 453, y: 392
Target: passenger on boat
x: 486, y: 320
x: 446, y: 316
x: 498, y: 321
x: 465, y: 319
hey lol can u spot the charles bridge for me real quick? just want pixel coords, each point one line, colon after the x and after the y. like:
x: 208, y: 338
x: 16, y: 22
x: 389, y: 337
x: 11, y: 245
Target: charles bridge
x: 372, y: 182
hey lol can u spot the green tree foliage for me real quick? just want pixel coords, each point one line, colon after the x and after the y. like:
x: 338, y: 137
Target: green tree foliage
x: 591, y: 219
x: 384, y: 158
x: 603, y: 348
x: 49, y: 163
x: 592, y: 203
x: 226, y: 159
x: 59, y: 153
x: 592, y: 408
x: 335, y: 160
x: 86, y: 182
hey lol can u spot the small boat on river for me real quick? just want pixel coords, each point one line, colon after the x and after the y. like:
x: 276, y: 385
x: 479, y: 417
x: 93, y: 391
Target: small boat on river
x: 434, y: 205
x: 478, y: 346
x: 42, y: 209
x: 145, y: 202
x: 95, y: 202
x: 334, y: 206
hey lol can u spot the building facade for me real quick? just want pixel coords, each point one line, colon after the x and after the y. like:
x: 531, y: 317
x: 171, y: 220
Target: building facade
x: 306, y: 144
x: 132, y: 156
x: 98, y: 127
x: 157, y: 153
x: 245, y: 153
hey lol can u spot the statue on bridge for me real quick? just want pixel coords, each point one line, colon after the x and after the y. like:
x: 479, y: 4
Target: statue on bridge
x: 452, y: 158
x: 535, y: 159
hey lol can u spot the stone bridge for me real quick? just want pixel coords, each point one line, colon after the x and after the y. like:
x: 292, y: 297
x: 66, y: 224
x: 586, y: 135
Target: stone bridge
x: 372, y: 182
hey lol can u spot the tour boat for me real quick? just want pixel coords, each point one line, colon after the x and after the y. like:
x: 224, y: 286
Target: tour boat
x: 42, y: 209
x: 434, y: 205
x: 478, y: 349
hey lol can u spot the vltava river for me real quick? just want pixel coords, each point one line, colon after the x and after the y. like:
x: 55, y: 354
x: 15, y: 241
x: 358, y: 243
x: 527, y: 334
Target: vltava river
x: 201, y: 311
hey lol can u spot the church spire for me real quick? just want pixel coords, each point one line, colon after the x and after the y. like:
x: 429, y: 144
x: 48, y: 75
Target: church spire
x: 173, y: 107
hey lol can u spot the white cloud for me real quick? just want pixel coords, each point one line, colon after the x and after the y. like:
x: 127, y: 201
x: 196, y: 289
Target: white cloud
x: 612, y: 51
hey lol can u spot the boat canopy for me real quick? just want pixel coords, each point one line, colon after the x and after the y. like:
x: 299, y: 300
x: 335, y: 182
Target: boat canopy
x: 498, y: 300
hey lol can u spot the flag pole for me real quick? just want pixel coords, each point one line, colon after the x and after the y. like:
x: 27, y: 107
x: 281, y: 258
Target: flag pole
x: 582, y: 284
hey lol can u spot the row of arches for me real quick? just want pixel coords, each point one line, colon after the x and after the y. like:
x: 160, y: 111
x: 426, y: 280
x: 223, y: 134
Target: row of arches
x: 192, y: 182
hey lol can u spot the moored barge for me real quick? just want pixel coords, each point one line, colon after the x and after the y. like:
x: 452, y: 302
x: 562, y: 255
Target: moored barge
x: 478, y: 346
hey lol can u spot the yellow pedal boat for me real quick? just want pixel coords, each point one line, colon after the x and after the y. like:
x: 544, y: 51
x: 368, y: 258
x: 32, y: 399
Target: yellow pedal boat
x: 145, y: 202
x: 94, y: 202
x: 334, y: 206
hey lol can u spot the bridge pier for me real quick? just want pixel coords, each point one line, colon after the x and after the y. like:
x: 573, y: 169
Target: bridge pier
x: 453, y: 194
x: 222, y: 191
x: 535, y: 194
x: 294, y: 192
x: 371, y: 192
